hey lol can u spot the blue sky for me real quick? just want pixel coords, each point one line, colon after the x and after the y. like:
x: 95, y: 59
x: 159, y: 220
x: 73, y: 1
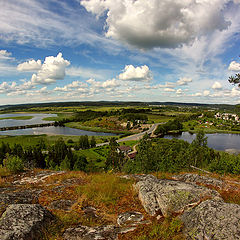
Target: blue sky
x: 125, y: 50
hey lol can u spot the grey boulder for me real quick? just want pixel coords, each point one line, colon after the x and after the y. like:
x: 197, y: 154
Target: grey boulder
x: 163, y: 197
x: 198, y: 179
x: 212, y: 220
x: 109, y: 232
x: 24, y: 222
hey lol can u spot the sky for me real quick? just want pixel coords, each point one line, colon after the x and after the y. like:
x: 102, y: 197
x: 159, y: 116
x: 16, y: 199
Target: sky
x: 119, y: 50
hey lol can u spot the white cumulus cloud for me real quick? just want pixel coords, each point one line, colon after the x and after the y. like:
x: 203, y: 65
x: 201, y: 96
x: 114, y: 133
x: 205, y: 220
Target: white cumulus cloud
x: 107, y: 84
x: 52, y: 69
x: 234, y: 66
x: 184, y: 81
x: 217, y: 86
x: 235, y: 92
x: 155, y: 23
x: 169, y: 90
x: 131, y: 73
x: 198, y: 94
x: 4, y: 54
x: 75, y: 85
x: 30, y: 65
x: 6, y: 87
x: 110, y: 83
x: 15, y: 89
x: 206, y: 93
x: 179, y: 91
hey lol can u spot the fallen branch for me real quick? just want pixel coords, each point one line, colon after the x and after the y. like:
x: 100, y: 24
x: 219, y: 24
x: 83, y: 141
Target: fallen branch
x: 199, y: 169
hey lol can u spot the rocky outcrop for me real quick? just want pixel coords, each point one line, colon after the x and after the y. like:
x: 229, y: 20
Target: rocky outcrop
x: 10, y: 196
x: 163, y: 197
x: 109, y: 232
x: 198, y: 179
x: 24, y: 222
x: 127, y: 222
x: 39, y: 177
x: 212, y: 220
x: 91, y: 233
x: 203, y: 212
x: 129, y: 219
x: 62, y: 204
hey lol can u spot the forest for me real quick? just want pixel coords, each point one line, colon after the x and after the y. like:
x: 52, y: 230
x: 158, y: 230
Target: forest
x: 153, y: 155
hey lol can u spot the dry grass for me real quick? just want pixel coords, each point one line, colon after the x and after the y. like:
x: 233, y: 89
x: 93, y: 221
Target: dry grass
x: 165, y: 229
x: 110, y: 195
x: 105, y: 190
x: 4, y: 172
x: 59, y: 178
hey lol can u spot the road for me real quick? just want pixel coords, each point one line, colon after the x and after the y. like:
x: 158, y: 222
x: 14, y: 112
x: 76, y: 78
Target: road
x: 134, y: 137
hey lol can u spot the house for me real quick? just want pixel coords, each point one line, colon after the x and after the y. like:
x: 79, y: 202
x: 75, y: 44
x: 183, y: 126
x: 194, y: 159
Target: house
x: 124, y: 149
x: 132, y: 155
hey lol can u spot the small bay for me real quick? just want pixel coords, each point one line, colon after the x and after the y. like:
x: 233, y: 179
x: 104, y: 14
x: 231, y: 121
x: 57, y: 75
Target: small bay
x: 218, y: 141
x: 38, y: 119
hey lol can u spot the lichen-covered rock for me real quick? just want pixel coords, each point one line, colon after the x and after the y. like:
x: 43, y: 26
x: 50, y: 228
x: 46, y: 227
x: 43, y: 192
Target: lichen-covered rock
x: 62, y: 204
x: 109, y: 232
x: 161, y: 197
x: 213, y: 220
x: 130, y: 219
x: 136, y: 177
x: 37, y: 177
x: 195, y: 178
x: 90, y: 212
x: 10, y: 196
x: 24, y: 222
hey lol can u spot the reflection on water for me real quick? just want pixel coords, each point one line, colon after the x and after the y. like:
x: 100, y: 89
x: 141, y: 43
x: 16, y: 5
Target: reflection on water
x: 54, y: 131
x: 218, y: 141
x: 37, y: 119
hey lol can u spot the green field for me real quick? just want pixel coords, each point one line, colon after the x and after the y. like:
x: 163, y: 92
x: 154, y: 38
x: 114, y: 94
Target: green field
x: 18, y: 118
x: 32, y: 140
x: 74, y: 109
x: 193, y: 126
x: 60, y: 116
x: 157, y: 118
x: 78, y: 125
x: 129, y: 143
x: 95, y: 155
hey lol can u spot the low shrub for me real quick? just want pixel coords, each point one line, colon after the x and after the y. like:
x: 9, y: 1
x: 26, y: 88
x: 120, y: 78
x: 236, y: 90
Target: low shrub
x: 13, y: 163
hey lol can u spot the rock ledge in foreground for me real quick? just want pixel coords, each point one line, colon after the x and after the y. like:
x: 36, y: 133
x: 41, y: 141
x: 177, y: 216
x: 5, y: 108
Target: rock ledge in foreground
x: 212, y: 220
x: 24, y: 222
x: 161, y: 197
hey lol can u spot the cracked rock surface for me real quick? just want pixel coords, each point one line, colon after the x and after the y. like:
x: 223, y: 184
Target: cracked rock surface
x: 212, y: 220
x: 129, y: 219
x: 161, y: 197
x: 23, y: 222
x: 109, y: 232
x: 195, y: 178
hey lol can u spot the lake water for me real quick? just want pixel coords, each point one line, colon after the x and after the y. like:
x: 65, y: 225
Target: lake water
x: 218, y: 141
x: 37, y: 119
x: 54, y: 131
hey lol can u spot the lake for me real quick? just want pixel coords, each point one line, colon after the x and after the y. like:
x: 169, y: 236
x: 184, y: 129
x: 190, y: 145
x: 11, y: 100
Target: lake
x: 54, y: 131
x: 37, y: 119
x: 218, y: 141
